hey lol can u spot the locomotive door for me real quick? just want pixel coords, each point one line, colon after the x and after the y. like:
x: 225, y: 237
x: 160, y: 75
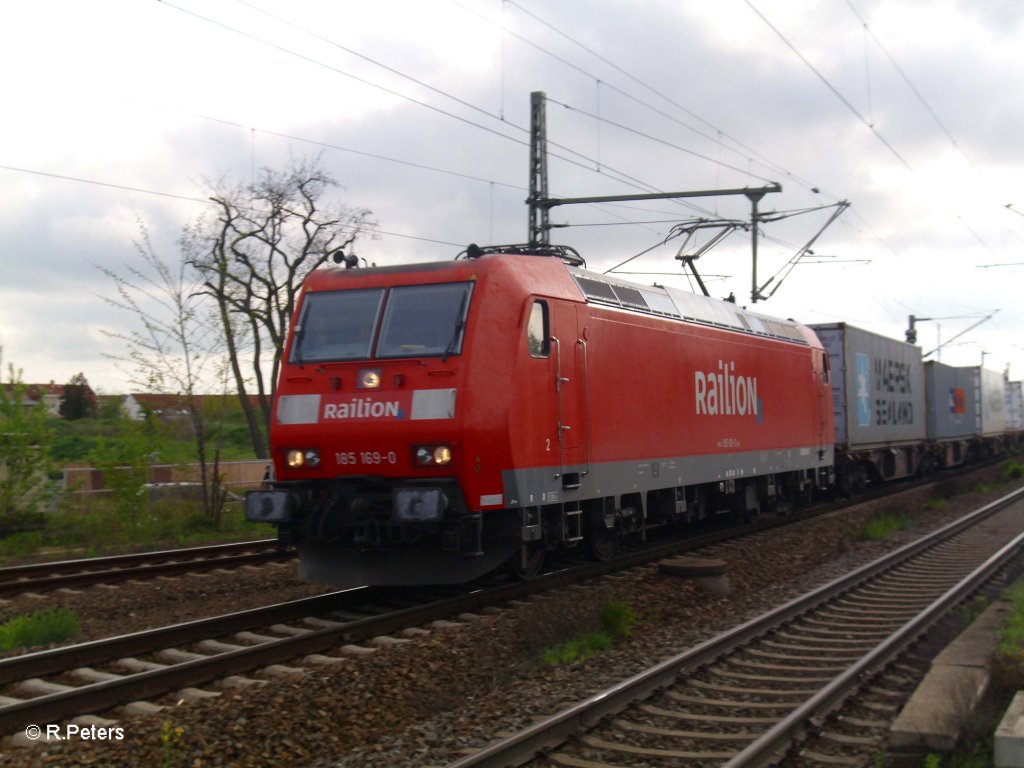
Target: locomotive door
x: 569, y: 364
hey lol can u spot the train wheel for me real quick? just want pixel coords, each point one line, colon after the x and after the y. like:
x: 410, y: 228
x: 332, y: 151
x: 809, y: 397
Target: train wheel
x: 603, y: 543
x: 528, y: 562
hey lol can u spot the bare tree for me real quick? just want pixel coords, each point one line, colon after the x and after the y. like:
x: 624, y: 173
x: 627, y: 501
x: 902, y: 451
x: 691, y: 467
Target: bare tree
x: 176, y: 349
x: 253, y: 257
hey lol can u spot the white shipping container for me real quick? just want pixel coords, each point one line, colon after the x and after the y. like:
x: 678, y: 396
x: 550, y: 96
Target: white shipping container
x: 993, y: 403
x: 1014, y: 406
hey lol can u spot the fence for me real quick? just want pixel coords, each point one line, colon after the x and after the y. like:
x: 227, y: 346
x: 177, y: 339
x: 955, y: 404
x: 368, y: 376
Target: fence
x: 238, y: 476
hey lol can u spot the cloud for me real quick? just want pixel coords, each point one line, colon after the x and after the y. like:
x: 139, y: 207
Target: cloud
x: 172, y: 98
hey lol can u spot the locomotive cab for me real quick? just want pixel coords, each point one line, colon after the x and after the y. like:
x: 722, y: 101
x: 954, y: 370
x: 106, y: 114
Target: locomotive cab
x: 373, y: 455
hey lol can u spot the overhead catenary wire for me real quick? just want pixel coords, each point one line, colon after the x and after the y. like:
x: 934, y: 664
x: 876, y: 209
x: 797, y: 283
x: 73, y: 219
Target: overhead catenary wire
x: 610, y: 106
x: 621, y: 177
x: 340, y: 148
x: 655, y: 139
x: 835, y: 91
x: 585, y: 162
x: 932, y: 113
x: 190, y: 199
x: 752, y: 154
x: 789, y: 175
x: 608, y: 172
x: 906, y: 79
x: 846, y: 102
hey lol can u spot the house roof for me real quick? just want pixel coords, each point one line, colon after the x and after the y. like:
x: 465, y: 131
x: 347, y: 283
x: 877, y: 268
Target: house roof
x: 157, y: 402
x: 35, y: 393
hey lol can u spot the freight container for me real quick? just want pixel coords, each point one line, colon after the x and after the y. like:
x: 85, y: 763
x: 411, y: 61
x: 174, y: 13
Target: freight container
x: 877, y: 386
x: 953, y: 400
x: 993, y: 406
x: 1014, y: 406
x: 878, y: 399
x: 954, y: 412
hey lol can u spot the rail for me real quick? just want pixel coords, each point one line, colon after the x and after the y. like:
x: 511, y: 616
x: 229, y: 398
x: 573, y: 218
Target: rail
x: 522, y: 747
x: 85, y: 571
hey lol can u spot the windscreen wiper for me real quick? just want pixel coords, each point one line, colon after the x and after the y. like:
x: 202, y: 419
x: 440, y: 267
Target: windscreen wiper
x: 460, y: 324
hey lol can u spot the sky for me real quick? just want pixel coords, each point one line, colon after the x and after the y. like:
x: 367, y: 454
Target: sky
x: 121, y: 115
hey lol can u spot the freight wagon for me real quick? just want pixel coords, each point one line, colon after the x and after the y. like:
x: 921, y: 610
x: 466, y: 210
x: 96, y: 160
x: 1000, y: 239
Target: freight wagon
x: 1014, y: 413
x: 992, y: 413
x: 878, y: 402
x: 954, y: 415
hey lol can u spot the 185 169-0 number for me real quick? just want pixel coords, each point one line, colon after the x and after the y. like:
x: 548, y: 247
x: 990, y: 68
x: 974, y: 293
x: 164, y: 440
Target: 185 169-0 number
x: 365, y: 458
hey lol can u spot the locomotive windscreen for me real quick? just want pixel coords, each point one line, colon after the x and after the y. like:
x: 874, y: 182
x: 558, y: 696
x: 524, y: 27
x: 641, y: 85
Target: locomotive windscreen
x: 424, y: 320
x: 337, y: 325
x: 413, y: 320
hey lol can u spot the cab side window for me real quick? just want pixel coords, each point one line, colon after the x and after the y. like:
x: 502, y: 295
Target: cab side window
x: 537, y: 331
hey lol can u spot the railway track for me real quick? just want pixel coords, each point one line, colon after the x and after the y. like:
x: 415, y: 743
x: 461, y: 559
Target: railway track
x: 72, y: 681
x: 42, y: 577
x: 65, y: 683
x: 745, y: 697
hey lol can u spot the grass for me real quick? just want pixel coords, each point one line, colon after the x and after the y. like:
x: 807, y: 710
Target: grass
x: 617, y: 620
x: 883, y: 525
x: 78, y: 439
x: 40, y: 628
x: 1012, y: 470
x: 171, y: 737
x: 101, y: 526
x: 1011, y: 637
x: 1007, y: 671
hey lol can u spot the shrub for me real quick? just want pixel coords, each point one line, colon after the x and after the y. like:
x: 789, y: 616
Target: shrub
x: 1012, y: 470
x: 40, y: 628
x: 1011, y: 637
x: 884, y: 525
x: 617, y: 622
x: 21, y: 544
x: 26, y: 492
x: 617, y: 619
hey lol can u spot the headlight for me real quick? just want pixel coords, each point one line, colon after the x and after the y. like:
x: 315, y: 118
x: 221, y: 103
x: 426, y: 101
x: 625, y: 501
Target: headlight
x: 309, y: 457
x: 369, y: 378
x: 433, y: 455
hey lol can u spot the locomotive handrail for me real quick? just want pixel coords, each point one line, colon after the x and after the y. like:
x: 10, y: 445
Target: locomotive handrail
x: 559, y: 379
x: 586, y: 401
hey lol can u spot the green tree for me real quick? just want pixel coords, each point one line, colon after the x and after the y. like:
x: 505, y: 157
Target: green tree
x: 78, y: 401
x: 176, y: 349
x: 25, y: 488
x: 124, y: 461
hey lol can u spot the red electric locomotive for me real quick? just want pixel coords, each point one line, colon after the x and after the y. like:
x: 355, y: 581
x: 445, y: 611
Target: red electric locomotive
x: 435, y: 421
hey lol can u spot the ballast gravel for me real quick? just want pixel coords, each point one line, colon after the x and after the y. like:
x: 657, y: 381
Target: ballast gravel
x: 455, y: 688
x: 124, y: 607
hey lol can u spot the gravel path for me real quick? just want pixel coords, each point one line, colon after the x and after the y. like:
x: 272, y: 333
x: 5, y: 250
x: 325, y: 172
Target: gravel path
x: 421, y: 702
